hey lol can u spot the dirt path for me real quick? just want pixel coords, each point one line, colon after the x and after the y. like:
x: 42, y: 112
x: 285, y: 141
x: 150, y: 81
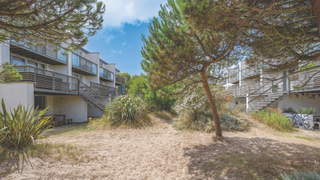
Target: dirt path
x: 163, y: 153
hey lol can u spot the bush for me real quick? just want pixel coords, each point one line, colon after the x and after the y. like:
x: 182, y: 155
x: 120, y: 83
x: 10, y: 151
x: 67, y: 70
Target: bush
x: 127, y: 110
x: 306, y: 111
x: 310, y: 175
x: 289, y: 110
x: 206, y: 123
x: 273, y: 118
x: 20, y: 127
x: 163, y: 115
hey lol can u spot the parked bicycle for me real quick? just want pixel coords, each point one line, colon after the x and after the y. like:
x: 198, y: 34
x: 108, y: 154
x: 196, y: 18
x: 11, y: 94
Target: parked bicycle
x: 301, y: 121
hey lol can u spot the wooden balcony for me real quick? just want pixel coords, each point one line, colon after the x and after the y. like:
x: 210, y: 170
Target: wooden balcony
x: 49, y: 82
x: 46, y: 54
x: 83, y: 66
x: 106, y: 75
x: 120, y: 80
x: 103, y: 89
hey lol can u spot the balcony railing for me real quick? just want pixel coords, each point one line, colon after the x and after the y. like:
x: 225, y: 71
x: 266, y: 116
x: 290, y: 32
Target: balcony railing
x: 49, y: 51
x: 120, y: 80
x: 106, y: 74
x: 83, y: 65
x: 305, y: 80
x: 48, y: 80
x: 103, y: 89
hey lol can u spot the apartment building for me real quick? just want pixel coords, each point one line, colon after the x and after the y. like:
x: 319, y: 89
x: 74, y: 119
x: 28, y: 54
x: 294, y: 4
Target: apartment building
x: 258, y: 88
x: 77, y: 84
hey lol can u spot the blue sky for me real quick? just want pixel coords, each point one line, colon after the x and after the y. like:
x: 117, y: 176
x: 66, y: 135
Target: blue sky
x: 119, y: 41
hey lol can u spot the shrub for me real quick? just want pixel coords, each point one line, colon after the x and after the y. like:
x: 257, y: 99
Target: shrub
x: 310, y: 175
x: 163, y: 115
x: 306, y: 111
x: 20, y: 127
x: 273, y: 118
x: 206, y: 123
x: 127, y: 110
x: 289, y: 110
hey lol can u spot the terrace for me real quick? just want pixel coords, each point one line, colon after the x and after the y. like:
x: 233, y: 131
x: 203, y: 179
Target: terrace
x: 48, y: 53
x: 49, y: 82
x: 120, y: 80
x: 106, y: 75
x: 83, y: 66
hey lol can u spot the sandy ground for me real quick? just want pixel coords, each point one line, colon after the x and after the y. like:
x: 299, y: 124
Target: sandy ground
x: 161, y: 152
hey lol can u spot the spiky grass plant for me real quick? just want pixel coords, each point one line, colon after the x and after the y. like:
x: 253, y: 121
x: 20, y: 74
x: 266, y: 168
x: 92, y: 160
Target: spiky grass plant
x: 21, y: 126
x: 310, y: 175
x: 128, y: 111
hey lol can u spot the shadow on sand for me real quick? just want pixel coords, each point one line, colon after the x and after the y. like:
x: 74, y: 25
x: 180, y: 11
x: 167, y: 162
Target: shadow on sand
x: 250, y: 158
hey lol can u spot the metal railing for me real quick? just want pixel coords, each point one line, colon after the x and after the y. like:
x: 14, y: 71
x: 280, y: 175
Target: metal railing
x: 84, y: 64
x: 48, y: 80
x: 106, y: 74
x: 48, y: 50
x: 120, y: 79
x: 103, y: 89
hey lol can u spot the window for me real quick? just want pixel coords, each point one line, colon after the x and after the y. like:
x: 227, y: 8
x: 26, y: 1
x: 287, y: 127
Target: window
x: 40, y: 102
x: 32, y: 63
x: 17, y: 61
x: 61, y: 55
x: 75, y: 60
x: 101, y: 64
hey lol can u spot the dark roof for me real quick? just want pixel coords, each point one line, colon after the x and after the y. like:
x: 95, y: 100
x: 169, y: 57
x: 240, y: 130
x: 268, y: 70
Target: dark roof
x: 84, y: 50
x: 103, y: 61
x: 117, y: 70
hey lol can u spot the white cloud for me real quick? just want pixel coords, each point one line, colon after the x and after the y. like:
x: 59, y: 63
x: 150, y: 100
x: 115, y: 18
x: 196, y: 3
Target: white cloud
x: 116, y: 52
x: 108, y: 38
x: 119, y: 12
x: 124, y: 43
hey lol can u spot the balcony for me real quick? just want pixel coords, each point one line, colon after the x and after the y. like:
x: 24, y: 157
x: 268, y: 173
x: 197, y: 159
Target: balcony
x: 83, y: 66
x: 106, y: 75
x: 120, y: 80
x: 46, y: 54
x: 103, y: 89
x: 48, y: 82
x: 250, y: 73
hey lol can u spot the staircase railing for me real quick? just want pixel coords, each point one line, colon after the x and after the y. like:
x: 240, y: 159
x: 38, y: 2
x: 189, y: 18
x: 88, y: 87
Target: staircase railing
x: 93, y: 97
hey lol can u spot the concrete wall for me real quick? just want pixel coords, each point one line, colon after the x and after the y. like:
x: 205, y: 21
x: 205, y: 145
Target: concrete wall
x: 17, y: 93
x: 72, y: 106
x: 4, y: 52
x: 306, y: 101
x: 94, y: 112
x: 94, y: 57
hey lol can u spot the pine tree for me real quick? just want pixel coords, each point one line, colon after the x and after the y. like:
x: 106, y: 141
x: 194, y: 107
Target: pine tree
x: 175, y: 52
x: 34, y: 22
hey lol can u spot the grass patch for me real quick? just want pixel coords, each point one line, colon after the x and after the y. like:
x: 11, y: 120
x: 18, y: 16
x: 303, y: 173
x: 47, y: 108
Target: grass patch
x: 306, y: 138
x: 48, y: 151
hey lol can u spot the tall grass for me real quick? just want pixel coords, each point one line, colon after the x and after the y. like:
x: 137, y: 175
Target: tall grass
x: 21, y: 127
x: 127, y: 110
x: 273, y: 118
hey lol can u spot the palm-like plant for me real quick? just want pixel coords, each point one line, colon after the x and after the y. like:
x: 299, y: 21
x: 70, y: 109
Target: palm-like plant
x: 21, y: 126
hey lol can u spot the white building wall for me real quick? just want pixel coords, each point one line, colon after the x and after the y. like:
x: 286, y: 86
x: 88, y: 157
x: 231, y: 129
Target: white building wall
x: 17, y: 93
x: 94, y: 112
x: 112, y: 68
x: 72, y: 106
x: 297, y: 101
x: 4, y: 53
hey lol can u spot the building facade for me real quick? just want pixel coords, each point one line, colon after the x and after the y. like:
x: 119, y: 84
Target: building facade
x: 77, y: 84
x: 258, y: 88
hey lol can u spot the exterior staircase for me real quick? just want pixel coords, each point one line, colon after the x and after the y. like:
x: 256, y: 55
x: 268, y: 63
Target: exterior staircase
x: 269, y: 100
x: 95, y: 97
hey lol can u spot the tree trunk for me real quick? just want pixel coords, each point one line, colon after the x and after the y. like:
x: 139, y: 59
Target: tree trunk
x: 212, y: 104
x: 316, y: 10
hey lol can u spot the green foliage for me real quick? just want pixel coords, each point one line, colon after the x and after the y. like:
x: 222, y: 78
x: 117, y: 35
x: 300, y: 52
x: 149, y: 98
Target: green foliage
x: 289, y: 110
x: 195, y: 111
x: 22, y: 127
x: 273, y: 118
x: 306, y: 111
x: 127, y: 110
x: 127, y: 77
x: 36, y: 22
x: 160, y: 98
x: 9, y: 74
x: 309, y: 175
x: 205, y: 122
x: 308, y: 66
